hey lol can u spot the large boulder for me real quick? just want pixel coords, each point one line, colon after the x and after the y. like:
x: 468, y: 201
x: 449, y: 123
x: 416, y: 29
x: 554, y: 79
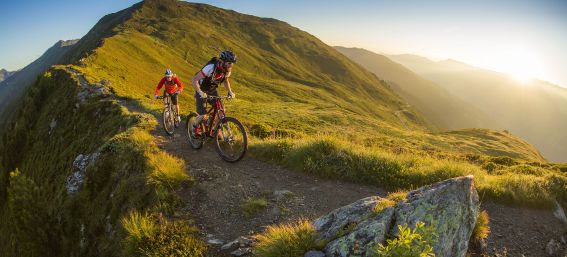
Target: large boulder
x: 449, y: 207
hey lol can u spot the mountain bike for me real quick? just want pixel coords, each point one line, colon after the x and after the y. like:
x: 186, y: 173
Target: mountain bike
x: 230, y: 137
x: 169, y: 115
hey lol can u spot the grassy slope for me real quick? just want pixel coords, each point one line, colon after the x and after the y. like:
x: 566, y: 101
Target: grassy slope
x: 285, y: 79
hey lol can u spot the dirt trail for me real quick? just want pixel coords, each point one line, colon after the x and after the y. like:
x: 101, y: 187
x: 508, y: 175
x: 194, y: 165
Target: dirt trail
x: 214, y: 201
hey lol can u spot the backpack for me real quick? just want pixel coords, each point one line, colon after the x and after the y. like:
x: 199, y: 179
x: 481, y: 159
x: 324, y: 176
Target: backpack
x: 207, y: 83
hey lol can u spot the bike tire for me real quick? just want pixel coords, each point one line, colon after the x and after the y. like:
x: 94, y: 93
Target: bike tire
x: 195, y: 143
x: 244, y: 147
x: 171, y: 130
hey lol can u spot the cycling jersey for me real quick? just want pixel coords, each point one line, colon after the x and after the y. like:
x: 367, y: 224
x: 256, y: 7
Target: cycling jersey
x: 170, y: 86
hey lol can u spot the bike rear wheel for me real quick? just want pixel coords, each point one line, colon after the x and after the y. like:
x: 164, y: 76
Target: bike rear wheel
x: 168, y: 121
x: 196, y: 142
x: 231, y: 139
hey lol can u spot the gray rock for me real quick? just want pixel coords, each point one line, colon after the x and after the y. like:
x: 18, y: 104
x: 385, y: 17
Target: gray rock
x: 276, y: 211
x: 241, y: 252
x: 215, y: 241
x: 364, y: 237
x: 80, y: 165
x: 88, y: 91
x: 329, y: 225
x: 230, y: 245
x: 282, y: 194
x: 314, y: 254
x: 450, y: 206
x: 553, y: 248
x: 559, y: 213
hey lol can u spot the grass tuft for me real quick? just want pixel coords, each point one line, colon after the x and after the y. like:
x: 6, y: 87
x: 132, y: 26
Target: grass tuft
x: 481, y: 229
x: 288, y: 240
x: 252, y: 206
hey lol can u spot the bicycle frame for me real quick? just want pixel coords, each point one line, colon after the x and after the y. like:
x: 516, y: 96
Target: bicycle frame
x: 217, y: 109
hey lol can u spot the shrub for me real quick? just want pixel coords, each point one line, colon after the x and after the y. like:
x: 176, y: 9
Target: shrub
x: 261, y: 131
x: 288, y: 240
x: 409, y: 243
x: 146, y: 237
x: 482, y: 227
x: 252, y: 206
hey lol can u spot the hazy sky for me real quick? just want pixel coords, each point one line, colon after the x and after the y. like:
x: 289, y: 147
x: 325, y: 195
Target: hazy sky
x: 525, y: 38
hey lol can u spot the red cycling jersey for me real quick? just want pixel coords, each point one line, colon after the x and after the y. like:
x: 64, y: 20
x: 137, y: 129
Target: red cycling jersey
x: 170, y: 86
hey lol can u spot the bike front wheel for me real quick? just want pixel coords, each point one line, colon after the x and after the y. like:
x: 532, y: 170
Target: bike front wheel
x: 168, y: 121
x: 196, y: 141
x: 231, y: 139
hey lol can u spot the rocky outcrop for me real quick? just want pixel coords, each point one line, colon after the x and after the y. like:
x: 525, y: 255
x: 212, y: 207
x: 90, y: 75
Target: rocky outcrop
x: 88, y: 91
x: 449, y: 207
x: 77, y: 178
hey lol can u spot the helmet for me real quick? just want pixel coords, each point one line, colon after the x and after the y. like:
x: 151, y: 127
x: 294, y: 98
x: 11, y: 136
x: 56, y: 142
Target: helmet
x: 228, y: 56
x: 168, y: 73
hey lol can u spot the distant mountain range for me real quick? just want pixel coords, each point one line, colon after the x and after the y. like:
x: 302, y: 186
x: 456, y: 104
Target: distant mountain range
x: 536, y: 111
x: 14, y: 86
x: 441, y: 107
x: 4, y: 74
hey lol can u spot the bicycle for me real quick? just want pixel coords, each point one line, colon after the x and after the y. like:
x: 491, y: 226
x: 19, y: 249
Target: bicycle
x: 229, y: 133
x: 169, y: 115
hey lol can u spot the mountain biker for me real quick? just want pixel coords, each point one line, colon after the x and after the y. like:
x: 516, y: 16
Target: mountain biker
x: 206, y: 81
x: 173, y: 87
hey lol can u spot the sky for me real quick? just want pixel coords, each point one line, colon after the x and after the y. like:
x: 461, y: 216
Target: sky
x: 523, y: 38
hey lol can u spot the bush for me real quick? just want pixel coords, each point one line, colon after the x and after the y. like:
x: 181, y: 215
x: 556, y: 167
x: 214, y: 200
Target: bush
x: 409, y: 243
x: 288, y: 240
x: 147, y: 236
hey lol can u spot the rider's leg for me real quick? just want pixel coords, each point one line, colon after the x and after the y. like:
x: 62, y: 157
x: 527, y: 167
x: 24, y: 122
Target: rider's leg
x: 200, y: 106
x: 175, y: 103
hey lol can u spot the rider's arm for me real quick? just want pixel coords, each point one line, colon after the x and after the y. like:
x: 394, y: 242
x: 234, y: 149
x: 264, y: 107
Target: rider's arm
x: 198, y: 77
x: 159, y: 86
x: 226, y: 82
x: 179, y: 84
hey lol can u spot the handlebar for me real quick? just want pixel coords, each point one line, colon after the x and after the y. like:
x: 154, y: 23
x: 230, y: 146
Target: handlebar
x: 217, y: 97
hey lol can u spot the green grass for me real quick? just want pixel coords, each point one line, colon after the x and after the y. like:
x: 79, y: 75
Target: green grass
x: 130, y: 173
x: 288, y: 240
x: 390, y: 201
x: 253, y: 206
x: 481, y: 229
x: 329, y: 157
x: 150, y: 236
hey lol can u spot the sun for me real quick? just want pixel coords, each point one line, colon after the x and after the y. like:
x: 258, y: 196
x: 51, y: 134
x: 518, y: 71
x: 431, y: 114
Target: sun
x: 522, y: 76
x: 520, y: 63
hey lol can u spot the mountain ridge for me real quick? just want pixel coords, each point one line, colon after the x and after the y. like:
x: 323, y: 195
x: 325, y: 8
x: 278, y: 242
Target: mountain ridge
x: 526, y: 109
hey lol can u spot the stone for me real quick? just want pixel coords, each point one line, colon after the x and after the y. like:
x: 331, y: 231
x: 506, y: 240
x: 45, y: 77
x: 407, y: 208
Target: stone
x: 364, y: 236
x: 80, y: 165
x: 282, y: 194
x: 330, y: 224
x: 215, y: 241
x: 232, y: 245
x: 553, y: 248
x: 241, y: 252
x: 314, y: 254
x: 450, y: 206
